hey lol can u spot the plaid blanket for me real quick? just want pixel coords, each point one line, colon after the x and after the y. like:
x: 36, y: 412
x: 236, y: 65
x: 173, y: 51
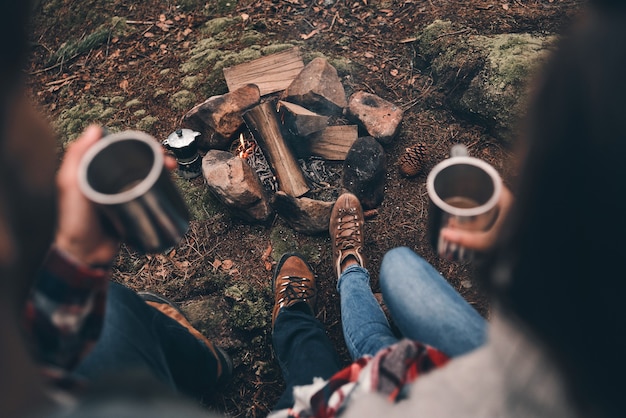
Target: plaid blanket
x: 387, y: 373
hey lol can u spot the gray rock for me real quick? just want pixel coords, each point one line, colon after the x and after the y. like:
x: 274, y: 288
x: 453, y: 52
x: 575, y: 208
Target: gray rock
x: 364, y: 172
x: 305, y: 215
x: 380, y: 118
x: 236, y: 185
x: 318, y: 88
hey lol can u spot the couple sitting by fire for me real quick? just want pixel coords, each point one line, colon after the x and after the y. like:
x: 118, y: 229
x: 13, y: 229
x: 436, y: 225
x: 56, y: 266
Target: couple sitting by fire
x: 553, y: 347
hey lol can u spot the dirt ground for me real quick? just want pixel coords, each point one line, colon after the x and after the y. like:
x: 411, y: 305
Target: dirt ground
x: 222, y: 255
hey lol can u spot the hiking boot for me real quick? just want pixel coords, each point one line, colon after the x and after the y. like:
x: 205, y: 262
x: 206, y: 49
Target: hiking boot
x: 293, y: 282
x: 172, y: 310
x: 346, y: 232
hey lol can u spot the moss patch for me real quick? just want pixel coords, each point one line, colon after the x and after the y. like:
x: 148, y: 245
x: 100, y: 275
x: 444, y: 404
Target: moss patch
x: 201, y: 203
x: 250, y: 309
x: 182, y: 100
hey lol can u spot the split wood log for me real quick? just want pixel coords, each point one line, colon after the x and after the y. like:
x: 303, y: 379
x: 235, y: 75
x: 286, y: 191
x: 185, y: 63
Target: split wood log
x: 334, y: 142
x: 262, y: 122
x: 300, y: 120
x: 271, y: 73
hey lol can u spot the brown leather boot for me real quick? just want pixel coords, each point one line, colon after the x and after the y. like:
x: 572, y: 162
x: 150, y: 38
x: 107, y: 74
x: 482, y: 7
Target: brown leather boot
x: 293, y: 282
x: 171, y: 309
x: 346, y: 231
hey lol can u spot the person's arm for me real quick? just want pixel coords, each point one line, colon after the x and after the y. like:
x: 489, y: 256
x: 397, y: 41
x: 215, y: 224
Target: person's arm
x: 65, y: 312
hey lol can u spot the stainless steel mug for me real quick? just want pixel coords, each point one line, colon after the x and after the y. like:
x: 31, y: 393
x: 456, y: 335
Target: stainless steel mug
x: 463, y: 193
x: 124, y: 175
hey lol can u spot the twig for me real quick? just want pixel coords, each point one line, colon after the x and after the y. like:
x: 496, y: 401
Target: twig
x: 458, y: 32
x: 63, y: 80
x: 330, y: 29
x: 139, y: 22
x: 43, y: 70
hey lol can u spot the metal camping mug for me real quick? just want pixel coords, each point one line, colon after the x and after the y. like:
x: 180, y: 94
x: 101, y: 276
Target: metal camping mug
x: 464, y: 194
x: 124, y: 175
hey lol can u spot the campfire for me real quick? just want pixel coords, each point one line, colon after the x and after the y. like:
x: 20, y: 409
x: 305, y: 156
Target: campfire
x: 295, y: 129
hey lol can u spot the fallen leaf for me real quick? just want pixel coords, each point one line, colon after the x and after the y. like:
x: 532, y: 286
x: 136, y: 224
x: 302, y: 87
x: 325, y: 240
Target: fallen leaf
x: 505, y: 6
x: 245, y: 16
x: 393, y: 72
x: 368, y: 55
x: 227, y: 264
x: 216, y: 264
x: 148, y: 35
x: 124, y: 84
x: 187, y: 31
x: 162, y: 18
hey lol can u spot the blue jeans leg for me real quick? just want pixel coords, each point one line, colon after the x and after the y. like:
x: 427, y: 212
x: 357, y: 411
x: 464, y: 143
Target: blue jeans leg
x: 303, y: 351
x: 425, y: 307
x: 138, y: 338
x: 365, y: 326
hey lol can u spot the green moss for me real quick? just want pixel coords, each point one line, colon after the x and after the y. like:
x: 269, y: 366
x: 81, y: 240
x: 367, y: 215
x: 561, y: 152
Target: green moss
x: 201, y: 203
x: 513, y: 57
x: 140, y: 113
x: 250, y: 309
x: 72, y: 121
x: 116, y: 99
x: 218, y: 25
x: 133, y: 103
x: 203, y: 55
x: 190, y: 82
x: 146, y: 123
x: 182, y: 100
x: 251, y: 37
x: 274, y: 48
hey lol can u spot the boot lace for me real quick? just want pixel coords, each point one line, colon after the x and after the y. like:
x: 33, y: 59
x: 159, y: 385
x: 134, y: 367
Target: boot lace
x: 294, y: 288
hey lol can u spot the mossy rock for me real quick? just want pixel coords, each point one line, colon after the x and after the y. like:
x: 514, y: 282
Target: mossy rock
x: 485, y: 77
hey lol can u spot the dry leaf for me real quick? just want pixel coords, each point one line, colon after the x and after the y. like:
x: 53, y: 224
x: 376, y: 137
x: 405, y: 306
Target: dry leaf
x: 124, y: 84
x: 187, y: 31
x: 162, y: 18
x: 393, y: 72
x: 227, y: 264
x: 216, y: 264
x: 368, y: 55
x: 505, y: 6
x: 148, y: 35
x: 245, y: 16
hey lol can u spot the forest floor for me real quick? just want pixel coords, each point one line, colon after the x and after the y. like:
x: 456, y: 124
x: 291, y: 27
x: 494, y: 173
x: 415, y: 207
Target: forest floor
x: 221, y: 272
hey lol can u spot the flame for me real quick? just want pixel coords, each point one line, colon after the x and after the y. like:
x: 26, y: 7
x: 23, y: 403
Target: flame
x: 245, y: 149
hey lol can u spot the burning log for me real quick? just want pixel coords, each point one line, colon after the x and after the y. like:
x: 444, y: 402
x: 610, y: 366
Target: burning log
x: 262, y: 122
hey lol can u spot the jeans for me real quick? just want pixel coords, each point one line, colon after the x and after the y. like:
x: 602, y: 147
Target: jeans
x: 139, y: 338
x: 422, y: 303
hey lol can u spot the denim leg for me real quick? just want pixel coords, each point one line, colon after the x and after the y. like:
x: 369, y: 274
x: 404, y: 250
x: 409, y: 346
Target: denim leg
x: 303, y: 351
x: 425, y: 307
x: 137, y: 337
x: 365, y: 326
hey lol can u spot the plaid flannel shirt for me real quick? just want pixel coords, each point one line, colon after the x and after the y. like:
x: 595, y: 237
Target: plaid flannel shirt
x: 65, y: 314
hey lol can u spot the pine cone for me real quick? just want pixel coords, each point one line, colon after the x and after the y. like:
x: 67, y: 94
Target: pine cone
x: 412, y: 162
